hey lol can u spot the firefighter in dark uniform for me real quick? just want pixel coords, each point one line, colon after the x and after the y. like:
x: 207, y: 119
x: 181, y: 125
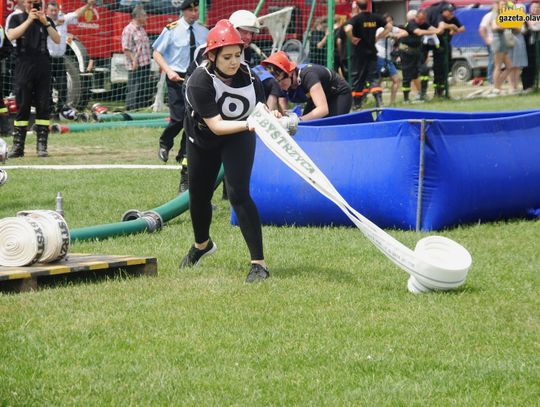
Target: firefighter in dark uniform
x: 174, y: 50
x: 5, y: 49
x: 413, y: 57
x: 361, y: 31
x: 32, y: 74
x: 448, y: 26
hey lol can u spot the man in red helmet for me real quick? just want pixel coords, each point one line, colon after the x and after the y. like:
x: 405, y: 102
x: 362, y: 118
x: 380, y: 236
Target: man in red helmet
x: 220, y: 95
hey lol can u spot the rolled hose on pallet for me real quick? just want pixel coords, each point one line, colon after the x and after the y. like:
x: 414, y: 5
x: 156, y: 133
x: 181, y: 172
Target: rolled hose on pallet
x: 149, y: 221
x: 33, y: 236
x: 81, y: 127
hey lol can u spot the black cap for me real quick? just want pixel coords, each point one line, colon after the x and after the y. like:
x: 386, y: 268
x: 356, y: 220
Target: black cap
x: 188, y: 4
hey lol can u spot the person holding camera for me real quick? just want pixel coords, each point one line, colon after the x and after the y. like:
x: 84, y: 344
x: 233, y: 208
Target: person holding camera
x: 385, y: 46
x: 30, y: 29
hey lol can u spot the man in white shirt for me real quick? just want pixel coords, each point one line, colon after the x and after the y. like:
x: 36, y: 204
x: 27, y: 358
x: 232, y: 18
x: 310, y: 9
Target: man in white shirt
x: 385, y: 46
x: 58, y: 51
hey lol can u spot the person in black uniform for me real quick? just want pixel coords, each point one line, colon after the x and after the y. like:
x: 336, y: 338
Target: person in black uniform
x: 413, y: 56
x: 5, y: 50
x: 220, y: 95
x: 448, y: 25
x: 361, y: 31
x: 30, y: 30
x: 324, y: 91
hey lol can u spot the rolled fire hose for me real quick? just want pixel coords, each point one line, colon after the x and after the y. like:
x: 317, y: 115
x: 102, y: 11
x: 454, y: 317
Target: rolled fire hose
x: 33, y: 236
x: 437, y: 263
x: 21, y: 241
x: 55, y: 230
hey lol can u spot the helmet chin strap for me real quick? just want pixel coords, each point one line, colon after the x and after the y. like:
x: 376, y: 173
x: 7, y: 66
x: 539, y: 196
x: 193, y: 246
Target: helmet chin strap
x: 222, y: 74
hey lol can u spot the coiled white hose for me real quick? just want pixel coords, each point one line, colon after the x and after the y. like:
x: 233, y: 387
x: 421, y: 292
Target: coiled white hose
x: 21, y: 242
x: 437, y: 263
x: 33, y: 236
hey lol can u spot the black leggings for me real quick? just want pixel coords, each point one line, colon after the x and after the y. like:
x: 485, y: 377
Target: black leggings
x: 236, y: 152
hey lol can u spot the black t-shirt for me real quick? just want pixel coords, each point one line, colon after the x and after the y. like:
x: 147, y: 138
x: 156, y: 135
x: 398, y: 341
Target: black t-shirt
x: 413, y: 40
x: 446, y: 33
x: 332, y: 83
x: 271, y: 87
x: 201, y: 104
x: 34, y: 41
x: 365, y: 26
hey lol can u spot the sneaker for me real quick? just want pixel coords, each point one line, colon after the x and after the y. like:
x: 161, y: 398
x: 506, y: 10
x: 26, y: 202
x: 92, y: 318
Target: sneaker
x: 195, y: 255
x: 184, y: 180
x: 163, y: 154
x: 257, y: 273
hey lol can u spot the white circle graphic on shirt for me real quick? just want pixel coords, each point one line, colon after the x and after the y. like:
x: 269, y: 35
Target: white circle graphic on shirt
x: 233, y: 106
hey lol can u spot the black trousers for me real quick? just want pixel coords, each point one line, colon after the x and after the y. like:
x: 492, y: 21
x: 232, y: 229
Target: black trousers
x: 366, y: 75
x: 337, y: 104
x: 441, y: 66
x: 33, y: 84
x: 59, y: 81
x: 177, y: 109
x: 236, y: 152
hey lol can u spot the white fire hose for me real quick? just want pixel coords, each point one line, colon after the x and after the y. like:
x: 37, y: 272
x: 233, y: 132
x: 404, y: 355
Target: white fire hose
x: 437, y: 263
x: 33, y: 236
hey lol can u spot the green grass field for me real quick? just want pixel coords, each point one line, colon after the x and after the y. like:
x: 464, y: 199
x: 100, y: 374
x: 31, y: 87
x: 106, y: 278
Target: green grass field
x: 334, y: 325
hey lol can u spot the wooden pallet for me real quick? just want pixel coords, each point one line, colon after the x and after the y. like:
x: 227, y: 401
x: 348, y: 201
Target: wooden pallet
x: 20, y: 279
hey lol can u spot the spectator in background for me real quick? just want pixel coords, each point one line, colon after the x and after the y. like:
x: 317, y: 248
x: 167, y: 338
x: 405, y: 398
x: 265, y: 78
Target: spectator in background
x: 32, y: 74
x: 518, y: 55
x: 385, y: 46
x: 136, y: 46
x: 58, y: 52
x: 344, y: 47
x: 174, y: 50
x: 448, y: 26
x: 413, y: 58
x: 5, y: 50
x: 317, y: 42
x: 529, y: 74
x: 361, y: 31
x: 486, y: 32
x: 501, y: 47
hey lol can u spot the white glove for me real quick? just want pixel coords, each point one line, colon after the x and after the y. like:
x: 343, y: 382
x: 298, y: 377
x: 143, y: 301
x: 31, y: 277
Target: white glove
x: 290, y: 122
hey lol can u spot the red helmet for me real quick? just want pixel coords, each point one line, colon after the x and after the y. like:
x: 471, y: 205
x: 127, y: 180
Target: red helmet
x: 282, y: 61
x: 221, y: 35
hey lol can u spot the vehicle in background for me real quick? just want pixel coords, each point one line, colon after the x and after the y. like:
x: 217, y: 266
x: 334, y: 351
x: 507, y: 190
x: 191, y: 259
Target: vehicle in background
x: 95, y: 63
